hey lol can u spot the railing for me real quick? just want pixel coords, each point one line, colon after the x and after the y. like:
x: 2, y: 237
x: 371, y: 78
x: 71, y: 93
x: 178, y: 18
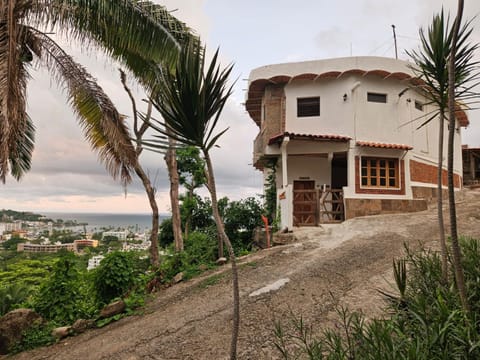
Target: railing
x: 331, y: 207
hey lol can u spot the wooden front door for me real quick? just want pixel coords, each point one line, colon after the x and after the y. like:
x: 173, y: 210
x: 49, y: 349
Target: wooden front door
x: 304, y: 203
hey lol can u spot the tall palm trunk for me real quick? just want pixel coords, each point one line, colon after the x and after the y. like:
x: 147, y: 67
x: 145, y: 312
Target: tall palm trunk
x: 441, y: 224
x: 456, y: 252
x: 228, y: 244
x: 149, y: 189
x: 171, y: 161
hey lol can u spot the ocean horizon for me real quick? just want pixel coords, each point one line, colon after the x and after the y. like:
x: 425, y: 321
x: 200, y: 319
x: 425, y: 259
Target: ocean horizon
x: 97, y: 221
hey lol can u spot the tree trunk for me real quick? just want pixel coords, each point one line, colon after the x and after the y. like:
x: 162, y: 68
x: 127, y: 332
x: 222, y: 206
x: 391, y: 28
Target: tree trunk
x: 188, y: 220
x: 456, y: 251
x: 228, y: 244
x: 441, y: 225
x: 174, y: 181
x: 153, y: 205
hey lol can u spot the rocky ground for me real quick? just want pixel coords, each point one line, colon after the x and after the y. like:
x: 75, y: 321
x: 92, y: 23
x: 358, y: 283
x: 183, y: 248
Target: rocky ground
x: 341, y: 264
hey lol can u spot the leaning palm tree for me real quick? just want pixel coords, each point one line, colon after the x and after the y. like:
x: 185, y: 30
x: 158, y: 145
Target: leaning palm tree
x: 190, y: 101
x: 431, y: 66
x: 137, y: 33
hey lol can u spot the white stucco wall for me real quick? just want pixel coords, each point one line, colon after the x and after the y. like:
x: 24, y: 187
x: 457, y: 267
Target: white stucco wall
x: 336, y: 115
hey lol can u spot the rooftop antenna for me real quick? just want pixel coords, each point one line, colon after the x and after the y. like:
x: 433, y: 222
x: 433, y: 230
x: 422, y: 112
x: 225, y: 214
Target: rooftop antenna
x: 395, y: 41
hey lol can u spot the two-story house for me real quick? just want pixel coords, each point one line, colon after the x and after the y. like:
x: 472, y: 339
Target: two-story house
x: 345, y: 138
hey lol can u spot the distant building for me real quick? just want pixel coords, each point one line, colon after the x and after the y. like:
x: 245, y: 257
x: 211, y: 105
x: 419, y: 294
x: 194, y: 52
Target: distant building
x: 11, y: 226
x: 120, y: 235
x: 38, y: 248
x: 94, y: 262
x: 81, y: 243
x: 139, y: 247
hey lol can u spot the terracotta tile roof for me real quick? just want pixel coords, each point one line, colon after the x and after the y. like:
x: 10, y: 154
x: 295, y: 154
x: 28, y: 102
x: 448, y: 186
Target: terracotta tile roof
x: 277, y: 139
x: 384, y: 145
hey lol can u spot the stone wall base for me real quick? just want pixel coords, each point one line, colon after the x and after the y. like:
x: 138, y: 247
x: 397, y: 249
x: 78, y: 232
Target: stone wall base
x: 364, y: 207
x: 428, y: 193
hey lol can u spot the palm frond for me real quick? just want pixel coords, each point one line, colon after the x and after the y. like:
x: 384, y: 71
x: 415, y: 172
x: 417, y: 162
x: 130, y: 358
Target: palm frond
x: 13, y: 79
x: 21, y: 154
x: 103, y: 126
x: 431, y: 60
x: 121, y: 27
x: 191, y: 100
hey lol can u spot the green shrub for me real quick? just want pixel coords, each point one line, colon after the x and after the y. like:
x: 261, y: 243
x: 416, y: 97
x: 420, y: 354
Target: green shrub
x: 11, y: 296
x: 165, y: 233
x: 36, y: 336
x: 200, y: 249
x: 115, y: 276
x: 65, y: 296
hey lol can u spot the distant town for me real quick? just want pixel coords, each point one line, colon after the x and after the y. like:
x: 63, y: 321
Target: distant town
x: 34, y: 233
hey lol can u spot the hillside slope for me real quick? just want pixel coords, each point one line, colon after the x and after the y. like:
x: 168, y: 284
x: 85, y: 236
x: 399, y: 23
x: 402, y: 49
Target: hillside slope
x: 341, y: 264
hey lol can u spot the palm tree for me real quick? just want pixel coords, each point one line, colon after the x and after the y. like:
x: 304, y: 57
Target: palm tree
x: 459, y: 52
x: 431, y: 65
x: 137, y: 33
x: 190, y: 102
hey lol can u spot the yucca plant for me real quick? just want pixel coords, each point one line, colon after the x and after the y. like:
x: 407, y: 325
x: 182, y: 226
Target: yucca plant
x: 191, y: 100
x: 431, y: 66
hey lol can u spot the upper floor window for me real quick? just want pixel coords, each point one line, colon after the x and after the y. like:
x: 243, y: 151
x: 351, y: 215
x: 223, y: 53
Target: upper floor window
x: 309, y: 106
x: 376, y: 97
x: 380, y: 172
x: 418, y: 105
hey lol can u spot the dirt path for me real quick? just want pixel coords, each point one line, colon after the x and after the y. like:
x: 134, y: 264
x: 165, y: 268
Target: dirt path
x: 342, y: 264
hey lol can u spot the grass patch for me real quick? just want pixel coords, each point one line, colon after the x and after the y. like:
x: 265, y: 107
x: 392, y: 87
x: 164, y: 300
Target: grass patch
x: 210, y: 281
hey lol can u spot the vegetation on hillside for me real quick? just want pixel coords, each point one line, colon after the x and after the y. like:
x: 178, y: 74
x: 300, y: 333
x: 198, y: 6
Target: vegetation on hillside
x: 424, y: 318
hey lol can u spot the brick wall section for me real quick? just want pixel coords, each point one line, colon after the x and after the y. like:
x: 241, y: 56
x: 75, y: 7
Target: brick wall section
x: 364, y: 207
x: 274, y: 101
x: 426, y: 173
x: 360, y: 190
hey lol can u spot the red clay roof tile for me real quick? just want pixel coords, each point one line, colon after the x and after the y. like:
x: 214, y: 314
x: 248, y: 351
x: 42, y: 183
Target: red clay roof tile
x: 384, y: 145
x: 316, y: 137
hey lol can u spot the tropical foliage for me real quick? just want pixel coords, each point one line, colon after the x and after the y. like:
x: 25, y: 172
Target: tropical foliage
x: 140, y: 34
x: 115, y: 276
x: 424, y: 321
x: 64, y: 297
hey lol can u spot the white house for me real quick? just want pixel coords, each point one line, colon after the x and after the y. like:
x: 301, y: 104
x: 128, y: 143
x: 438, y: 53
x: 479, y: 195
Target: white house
x: 121, y: 235
x: 344, y: 136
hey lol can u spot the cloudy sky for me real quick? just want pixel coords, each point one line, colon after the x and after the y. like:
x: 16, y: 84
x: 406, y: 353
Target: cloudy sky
x: 66, y: 176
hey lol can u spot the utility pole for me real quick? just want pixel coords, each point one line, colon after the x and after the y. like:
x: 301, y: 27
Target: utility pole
x: 395, y: 41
